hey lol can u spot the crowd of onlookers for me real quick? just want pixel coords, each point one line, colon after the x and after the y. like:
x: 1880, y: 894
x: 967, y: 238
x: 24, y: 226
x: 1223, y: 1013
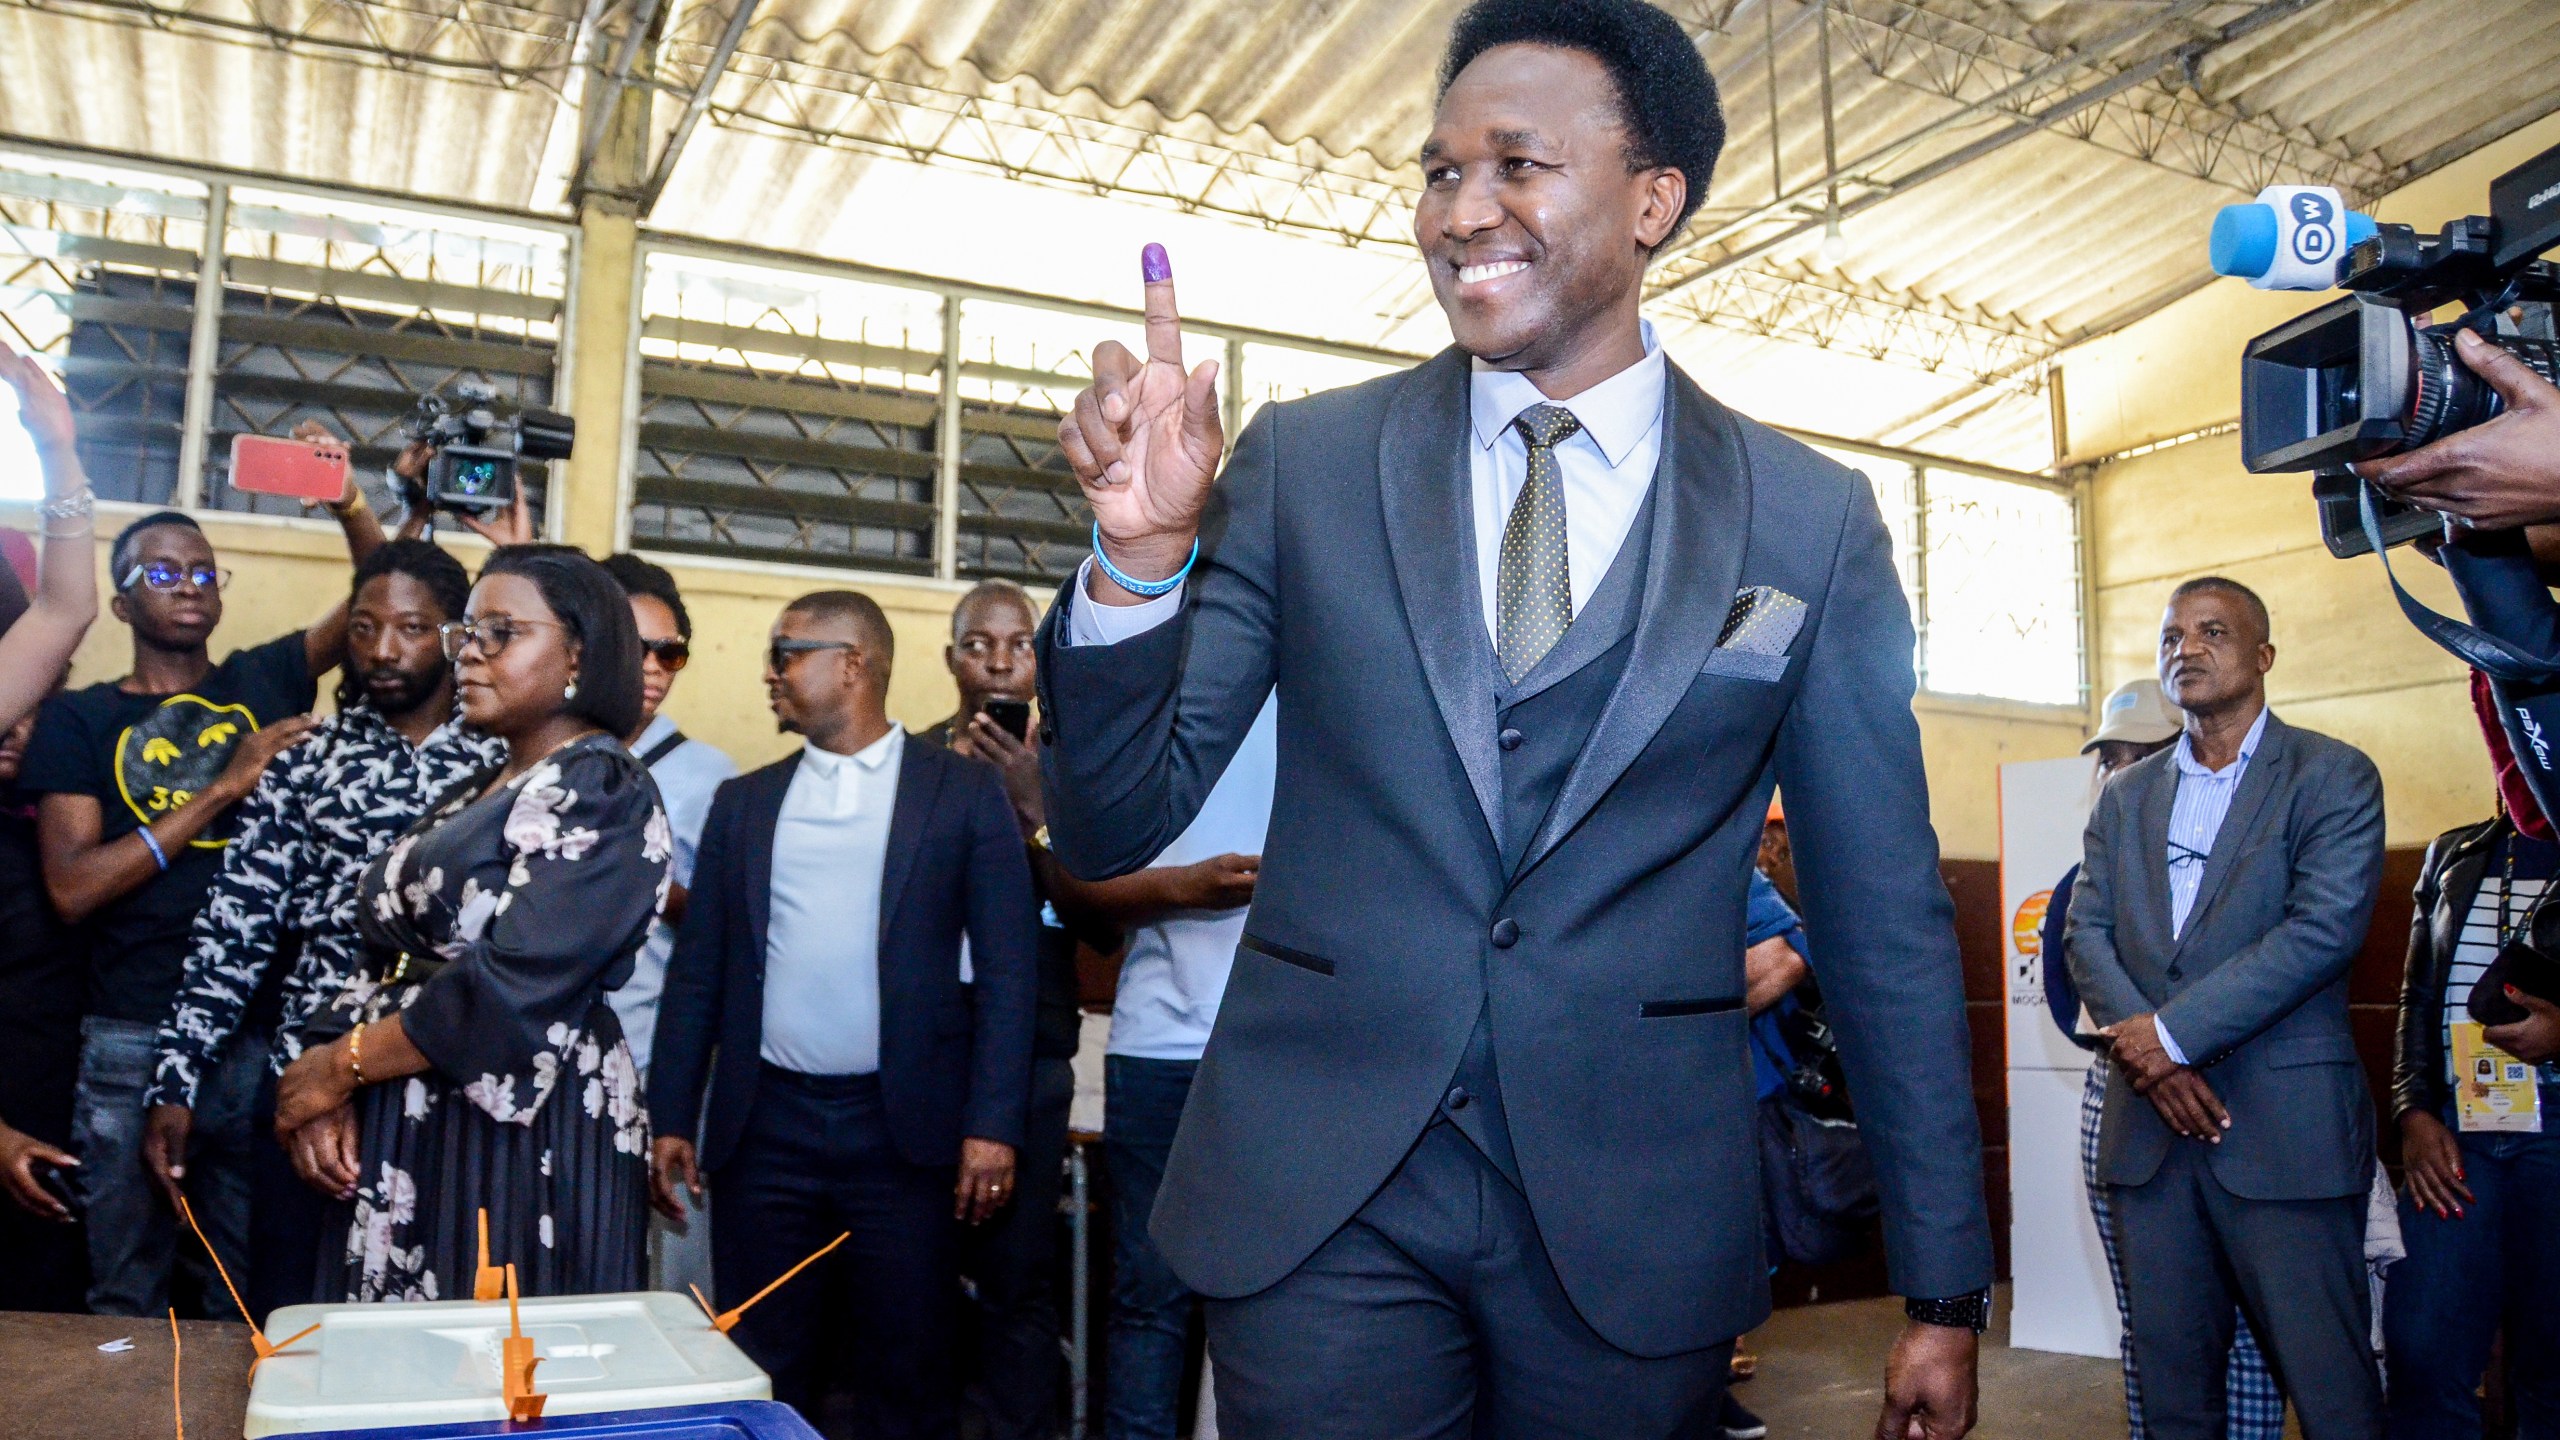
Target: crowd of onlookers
x: 495, y: 950
x: 495, y: 944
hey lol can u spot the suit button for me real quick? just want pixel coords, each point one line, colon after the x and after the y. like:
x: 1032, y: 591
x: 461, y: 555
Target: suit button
x: 1509, y: 739
x: 1458, y: 1097
x: 1506, y: 932
x: 2176, y: 974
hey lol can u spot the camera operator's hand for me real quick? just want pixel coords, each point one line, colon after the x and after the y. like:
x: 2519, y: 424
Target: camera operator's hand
x: 2499, y: 474
x: 515, y: 529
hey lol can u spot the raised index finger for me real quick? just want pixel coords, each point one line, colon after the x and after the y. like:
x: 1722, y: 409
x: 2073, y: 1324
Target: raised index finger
x: 1164, y: 324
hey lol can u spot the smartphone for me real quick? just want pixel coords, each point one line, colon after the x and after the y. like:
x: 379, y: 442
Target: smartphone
x: 1012, y: 716
x: 58, y: 1185
x: 275, y: 465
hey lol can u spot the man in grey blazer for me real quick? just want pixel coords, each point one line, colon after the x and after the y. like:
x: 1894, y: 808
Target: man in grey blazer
x: 2225, y: 889
x: 1470, y: 1152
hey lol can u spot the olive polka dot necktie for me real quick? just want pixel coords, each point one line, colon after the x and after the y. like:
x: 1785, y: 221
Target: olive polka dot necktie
x: 1533, y: 585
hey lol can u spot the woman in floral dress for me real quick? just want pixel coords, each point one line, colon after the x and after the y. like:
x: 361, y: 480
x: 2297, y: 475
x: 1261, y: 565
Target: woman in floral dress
x: 475, y: 1062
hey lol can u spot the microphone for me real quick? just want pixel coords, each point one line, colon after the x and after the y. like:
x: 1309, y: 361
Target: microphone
x: 2290, y: 238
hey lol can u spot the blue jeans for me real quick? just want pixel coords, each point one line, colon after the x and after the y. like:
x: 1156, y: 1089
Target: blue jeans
x: 133, y: 1234
x: 2499, y: 1260
x: 1150, y: 1307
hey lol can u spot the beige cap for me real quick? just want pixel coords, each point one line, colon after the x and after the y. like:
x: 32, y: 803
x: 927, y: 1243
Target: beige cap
x: 2136, y: 712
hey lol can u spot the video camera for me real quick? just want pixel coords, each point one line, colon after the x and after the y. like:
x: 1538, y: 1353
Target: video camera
x: 476, y: 454
x: 2361, y: 377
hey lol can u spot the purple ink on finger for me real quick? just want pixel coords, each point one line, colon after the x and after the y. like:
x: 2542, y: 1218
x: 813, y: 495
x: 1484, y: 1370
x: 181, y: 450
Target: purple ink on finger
x: 1154, y: 264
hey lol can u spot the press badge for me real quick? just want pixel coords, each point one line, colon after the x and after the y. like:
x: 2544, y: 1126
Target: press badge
x: 2493, y: 1090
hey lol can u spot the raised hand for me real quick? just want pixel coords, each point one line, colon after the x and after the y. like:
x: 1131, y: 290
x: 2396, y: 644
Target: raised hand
x: 42, y: 407
x: 1144, y: 440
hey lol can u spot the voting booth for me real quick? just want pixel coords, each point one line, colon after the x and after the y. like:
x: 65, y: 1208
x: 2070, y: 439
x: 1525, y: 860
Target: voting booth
x: 2061, y: 1298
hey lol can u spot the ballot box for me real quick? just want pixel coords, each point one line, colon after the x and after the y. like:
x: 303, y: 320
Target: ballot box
x: 424, y: 1368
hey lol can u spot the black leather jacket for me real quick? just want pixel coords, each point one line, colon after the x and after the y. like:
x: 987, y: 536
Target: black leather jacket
x: 2447, y: 884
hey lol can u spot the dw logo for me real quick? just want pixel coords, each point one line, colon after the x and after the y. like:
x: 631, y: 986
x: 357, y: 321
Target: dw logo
x: 2312, y: 214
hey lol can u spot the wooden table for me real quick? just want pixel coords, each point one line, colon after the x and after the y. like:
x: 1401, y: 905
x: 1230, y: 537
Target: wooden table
x: 60, y: 1386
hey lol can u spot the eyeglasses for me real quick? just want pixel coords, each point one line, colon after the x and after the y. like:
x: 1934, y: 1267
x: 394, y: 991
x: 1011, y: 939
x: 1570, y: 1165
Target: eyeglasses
x: 164, y: 575
x: 779, y: 655
x: 492, y: 635
x: 673, y: 654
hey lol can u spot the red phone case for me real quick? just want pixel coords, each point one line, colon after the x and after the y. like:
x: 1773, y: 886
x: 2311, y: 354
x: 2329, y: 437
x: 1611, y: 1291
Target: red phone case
x: 273, y: 465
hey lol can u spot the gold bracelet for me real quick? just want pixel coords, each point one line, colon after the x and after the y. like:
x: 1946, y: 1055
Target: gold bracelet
x: 355, y: 1052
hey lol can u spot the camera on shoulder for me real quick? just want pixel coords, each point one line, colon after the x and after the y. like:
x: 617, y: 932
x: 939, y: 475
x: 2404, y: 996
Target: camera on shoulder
x: 2365, y: 376
x: 478, y: 455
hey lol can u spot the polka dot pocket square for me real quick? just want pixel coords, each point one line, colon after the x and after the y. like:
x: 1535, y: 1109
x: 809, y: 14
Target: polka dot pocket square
x: 1757, y: 631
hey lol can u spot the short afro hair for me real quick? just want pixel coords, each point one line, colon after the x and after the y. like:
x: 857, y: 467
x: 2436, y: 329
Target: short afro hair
x: 861, y: 613
x: 120, y: 554
x: 986, y: 592
x: 1666, y: 98
x: 2224, y: 585
x: 638, y: 577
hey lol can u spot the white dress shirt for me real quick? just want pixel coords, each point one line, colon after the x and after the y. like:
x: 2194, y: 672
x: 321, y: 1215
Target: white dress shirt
x: 1607, y: 465
x: 1176, y: 970
x: 2195, y: 818
x: 686, y: 776
x: 822, y: 941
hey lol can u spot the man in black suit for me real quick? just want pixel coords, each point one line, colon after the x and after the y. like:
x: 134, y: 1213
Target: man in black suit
x: 859, y: 1066
x: 1471, y: 1149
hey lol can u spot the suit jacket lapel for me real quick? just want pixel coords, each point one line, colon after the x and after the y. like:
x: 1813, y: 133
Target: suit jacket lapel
x: 1701, y: 526
x: 761, y: 819
x: 2267, y: 769
x: 920, y: 769
x: 2158, y: 794
x: 1425, y: 488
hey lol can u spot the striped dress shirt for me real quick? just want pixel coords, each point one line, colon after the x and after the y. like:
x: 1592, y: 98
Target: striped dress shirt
x: 2195, y: 819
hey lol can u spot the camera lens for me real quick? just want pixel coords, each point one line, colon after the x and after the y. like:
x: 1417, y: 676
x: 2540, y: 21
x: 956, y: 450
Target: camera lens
x: 2446, y: 396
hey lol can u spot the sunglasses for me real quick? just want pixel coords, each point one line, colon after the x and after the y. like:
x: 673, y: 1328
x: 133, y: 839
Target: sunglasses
x: 164, y: 576
x: 779, y: 655
x: 673, y: 654
x: 492, y: 635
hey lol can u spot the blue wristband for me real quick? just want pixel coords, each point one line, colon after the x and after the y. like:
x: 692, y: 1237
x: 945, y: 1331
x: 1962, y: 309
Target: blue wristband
x: 1149, y: 588
x: 151, y: 842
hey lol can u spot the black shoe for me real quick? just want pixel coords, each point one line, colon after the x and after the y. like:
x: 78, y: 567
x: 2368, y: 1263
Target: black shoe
x: 1738, y: 1423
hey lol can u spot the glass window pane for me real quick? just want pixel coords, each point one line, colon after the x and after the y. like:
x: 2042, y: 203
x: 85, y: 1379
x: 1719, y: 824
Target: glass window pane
x: 349, y: 312
x: 1021, y: 513
x: 2003, y: 590
x: 786, y: 415
x: 97, y: 281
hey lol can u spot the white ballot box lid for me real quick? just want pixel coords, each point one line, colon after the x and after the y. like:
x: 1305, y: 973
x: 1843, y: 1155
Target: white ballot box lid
x: 437, y: 1362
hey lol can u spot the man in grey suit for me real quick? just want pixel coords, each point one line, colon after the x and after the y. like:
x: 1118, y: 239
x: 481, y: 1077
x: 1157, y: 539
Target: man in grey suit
x: 2226, y: 886
x: 1471, y: 1149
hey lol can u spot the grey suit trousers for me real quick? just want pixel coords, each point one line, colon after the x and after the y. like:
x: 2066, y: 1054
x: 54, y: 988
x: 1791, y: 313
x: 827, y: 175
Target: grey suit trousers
x: 2296, y: 1267
x: 1435, y: 1315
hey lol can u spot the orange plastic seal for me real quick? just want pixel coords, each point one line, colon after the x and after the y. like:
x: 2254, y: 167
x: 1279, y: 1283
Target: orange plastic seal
x: 258, y: 1341
x: 724, y: 1320
x: 523, y: 1401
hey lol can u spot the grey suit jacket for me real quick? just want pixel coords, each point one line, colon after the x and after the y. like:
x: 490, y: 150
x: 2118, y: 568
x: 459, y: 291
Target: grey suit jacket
x: 1338, y: 564
x: 2255, y: 989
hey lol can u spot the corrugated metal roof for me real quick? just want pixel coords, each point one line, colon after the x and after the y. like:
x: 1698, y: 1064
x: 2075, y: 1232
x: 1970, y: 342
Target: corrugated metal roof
x: 1305, y: 115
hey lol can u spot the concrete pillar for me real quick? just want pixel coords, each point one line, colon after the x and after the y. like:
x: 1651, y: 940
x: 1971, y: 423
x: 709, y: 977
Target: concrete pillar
x: 589, y: 491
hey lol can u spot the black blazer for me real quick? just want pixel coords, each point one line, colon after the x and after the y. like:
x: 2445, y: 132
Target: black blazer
x: 1338, y: 566
x: 952, y: 1063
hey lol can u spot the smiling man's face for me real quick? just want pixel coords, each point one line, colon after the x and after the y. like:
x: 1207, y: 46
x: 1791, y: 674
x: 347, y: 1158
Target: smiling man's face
x: 1533, y: 227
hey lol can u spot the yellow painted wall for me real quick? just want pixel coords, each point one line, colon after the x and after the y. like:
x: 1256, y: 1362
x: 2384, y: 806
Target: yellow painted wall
x: 286, y: 573
x: 2347, y: 663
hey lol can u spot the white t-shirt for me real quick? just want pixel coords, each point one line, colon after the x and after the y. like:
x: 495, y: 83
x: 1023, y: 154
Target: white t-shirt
x: 1175, y: 971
